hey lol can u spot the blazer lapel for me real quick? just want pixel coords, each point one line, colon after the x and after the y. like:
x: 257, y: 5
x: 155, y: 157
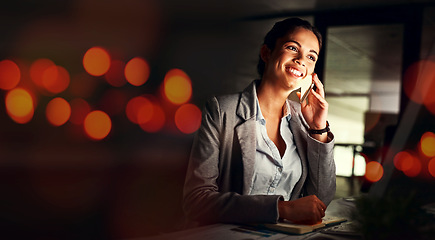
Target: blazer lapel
x: 246, y: 133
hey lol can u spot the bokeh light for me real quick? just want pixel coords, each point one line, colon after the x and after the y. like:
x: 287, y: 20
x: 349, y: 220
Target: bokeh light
x: 403, y: 161
x: 374, y: 171
x: 188, y: 118
x: 37, y: 69
x: 19, y: 105
x: 55, y: 79
x: 79, y: 110
x: 137, y: 71
x: 157, y: 120
x: 177, y: 86
x: 96, y: 61
x: 415, y: 168
x: 58, y: 111
x: 115, y: 75
x: 431, y: 167
x: 97, y: 125
x: 9, y: 75
x: 139, y: 110
x: 427, y: 144
x: 418, y: 80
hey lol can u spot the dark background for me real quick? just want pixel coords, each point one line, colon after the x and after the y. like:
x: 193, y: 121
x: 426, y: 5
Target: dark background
x: 57, y: 184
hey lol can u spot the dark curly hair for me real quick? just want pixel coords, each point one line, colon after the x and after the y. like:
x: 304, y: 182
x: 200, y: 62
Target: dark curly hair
x: 282, y: 28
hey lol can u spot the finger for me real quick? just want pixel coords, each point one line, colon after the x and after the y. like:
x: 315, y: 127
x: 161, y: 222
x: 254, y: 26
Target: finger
x: 319, y: 85
x: 318, y: 97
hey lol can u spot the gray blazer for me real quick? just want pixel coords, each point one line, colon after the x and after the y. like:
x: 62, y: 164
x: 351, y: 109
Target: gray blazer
x: 222, y: 162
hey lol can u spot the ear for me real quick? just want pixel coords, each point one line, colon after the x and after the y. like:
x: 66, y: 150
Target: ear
x: 265, y: 53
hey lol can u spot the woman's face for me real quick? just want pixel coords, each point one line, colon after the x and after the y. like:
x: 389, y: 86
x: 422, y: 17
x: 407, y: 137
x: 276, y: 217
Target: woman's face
x: 293, y: 58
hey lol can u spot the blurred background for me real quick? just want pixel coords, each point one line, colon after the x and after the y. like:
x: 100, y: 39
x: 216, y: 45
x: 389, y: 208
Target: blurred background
x: 100, y: 101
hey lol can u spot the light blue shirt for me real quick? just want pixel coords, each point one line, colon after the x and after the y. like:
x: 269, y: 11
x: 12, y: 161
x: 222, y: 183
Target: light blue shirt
x: 274, y: 175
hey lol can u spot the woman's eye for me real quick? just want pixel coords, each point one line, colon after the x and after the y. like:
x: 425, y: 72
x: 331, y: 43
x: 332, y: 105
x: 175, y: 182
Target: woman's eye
x: 292, y: 48
x: 312, y: 58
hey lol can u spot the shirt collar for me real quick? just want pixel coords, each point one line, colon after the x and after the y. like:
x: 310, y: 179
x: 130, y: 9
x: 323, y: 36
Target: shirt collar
x: 285, y: 109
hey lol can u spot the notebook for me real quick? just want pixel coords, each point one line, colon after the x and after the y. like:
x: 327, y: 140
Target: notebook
x: 289, y: 227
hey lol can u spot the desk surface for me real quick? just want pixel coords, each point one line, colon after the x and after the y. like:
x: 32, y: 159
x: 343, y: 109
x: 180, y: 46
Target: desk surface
x: 338, y: 208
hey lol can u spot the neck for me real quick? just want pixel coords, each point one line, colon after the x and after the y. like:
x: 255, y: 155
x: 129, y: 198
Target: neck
x: 271, y: 97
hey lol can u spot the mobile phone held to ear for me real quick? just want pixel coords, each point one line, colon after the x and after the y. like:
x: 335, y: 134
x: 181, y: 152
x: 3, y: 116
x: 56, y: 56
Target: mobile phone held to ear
x: 306, y: 85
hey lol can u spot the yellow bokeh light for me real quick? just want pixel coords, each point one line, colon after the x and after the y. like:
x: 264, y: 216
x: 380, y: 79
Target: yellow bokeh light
x: 177, y: 86
x: 19, y: 105
x: 427, y: 144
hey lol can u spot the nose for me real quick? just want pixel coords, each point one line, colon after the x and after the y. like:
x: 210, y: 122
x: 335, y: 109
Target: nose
x: 300, y: 62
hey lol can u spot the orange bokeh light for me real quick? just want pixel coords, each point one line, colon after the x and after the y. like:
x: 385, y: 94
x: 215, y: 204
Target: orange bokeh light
x: 96, y: 61
x: 374, y: 171
x: 115, y: 75
x: 157, y: 120
x: 188, y: 118
x: 137, y: 71
x: 58, y: 111
x: 97, y: 125
x: 419, y: 78
x: 79, y: 110
x: 431, y: 167
x: 9, y: 75
x: 19, y: 105
x: 427, y: 144
x: 55, y: 79
x: 177, y: 86
x: 139, y: 110
x: 38, y: 68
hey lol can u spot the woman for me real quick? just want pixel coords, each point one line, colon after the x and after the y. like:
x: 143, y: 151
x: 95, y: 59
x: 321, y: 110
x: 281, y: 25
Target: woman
x: 259, y: 157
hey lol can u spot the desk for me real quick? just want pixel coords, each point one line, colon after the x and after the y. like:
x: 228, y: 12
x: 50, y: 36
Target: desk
x: 338, y: 208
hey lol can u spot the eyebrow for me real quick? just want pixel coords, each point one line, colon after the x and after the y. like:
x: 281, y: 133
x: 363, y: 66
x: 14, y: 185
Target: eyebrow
x: 297, y: 43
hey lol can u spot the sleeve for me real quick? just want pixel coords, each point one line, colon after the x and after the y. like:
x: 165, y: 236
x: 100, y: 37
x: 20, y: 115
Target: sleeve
x: 203, y: 200
x: 321, y: 169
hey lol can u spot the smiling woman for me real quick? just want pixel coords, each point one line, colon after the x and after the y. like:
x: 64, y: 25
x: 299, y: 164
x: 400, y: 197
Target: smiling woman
x: 254, y: 149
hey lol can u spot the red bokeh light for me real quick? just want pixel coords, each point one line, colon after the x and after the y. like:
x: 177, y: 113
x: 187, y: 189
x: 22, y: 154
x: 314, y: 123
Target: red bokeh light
x: 55, y: 79
x: 38, y: 68
x: 115, y: 74
x: 79, y: 110
x: 419, y: 80
x: 10, y: 74
x: 188, y: 118
x: 157, y: 120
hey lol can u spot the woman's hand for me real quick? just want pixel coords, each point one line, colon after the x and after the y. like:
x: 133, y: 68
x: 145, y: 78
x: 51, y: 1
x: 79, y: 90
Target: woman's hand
x: 306, y: 210
x: 315, y: 112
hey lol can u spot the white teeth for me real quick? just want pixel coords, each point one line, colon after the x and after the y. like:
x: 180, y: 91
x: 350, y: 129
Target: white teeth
x: 296, y: 72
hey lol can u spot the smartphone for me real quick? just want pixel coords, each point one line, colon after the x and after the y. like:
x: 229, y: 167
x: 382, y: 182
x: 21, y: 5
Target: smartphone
x: 306, y: 85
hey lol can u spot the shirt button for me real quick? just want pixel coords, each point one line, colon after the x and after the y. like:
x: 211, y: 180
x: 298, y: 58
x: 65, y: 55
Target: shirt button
x: 272, y: 189
x: 280, y: 169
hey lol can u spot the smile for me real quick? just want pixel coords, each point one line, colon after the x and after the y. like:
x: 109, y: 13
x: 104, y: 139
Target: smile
x: 295, y: 72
